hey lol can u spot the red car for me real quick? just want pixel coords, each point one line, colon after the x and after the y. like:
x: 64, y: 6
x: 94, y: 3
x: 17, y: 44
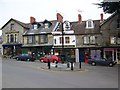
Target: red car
x: 52, y: 58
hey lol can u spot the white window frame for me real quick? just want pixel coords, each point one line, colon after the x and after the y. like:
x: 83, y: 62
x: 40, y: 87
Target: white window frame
x: 86, y: 40
x: 113, y: 40
x: 89, y: 24
x: 35, y: 26
x: 92, y: 39
x: 46, y: 25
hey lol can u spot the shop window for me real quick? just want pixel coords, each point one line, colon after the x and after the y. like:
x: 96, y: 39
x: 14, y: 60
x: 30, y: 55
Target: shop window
x: 118, y: 55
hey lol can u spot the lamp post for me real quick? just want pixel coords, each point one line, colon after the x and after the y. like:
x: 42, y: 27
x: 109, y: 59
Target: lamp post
x: 63, y: 53
x: 63, y: 49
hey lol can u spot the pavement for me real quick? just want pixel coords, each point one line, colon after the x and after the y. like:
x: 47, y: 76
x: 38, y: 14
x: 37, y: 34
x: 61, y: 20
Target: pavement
x: 63, y: 66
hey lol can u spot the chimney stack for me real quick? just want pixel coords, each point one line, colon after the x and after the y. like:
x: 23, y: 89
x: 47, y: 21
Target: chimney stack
x: 101, y: 16
x: 79, y: 18
x: 32, y: 20
x: 59, y: 17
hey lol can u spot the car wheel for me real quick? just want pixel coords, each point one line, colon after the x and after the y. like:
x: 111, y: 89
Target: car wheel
x: 42, y: 61
x: 110, y: 64
x: 93, y: 63
x: 28, y: 59
x: 17, y: 59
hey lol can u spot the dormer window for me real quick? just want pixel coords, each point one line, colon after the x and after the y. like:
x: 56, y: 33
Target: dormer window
x: 89, y: 24
x: 46, y: 25
x: 35, y: 26
x: 66, y: 25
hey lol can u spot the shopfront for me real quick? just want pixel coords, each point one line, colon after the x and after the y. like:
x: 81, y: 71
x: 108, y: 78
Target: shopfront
x: 11, y: 49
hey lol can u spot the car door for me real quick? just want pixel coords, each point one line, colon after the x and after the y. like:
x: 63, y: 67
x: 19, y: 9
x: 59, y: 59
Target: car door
x: 103, y: 61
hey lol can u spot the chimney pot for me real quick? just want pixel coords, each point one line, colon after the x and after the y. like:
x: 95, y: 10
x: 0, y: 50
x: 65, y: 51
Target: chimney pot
x: 32, y: 20
x: 79, y: 18
x: 59, y: 17
x: 101, y: 15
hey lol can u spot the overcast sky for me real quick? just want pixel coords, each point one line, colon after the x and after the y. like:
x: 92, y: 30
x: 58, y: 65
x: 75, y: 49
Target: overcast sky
x: 47, y: 9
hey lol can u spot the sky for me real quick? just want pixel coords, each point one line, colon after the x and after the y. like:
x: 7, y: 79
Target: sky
x: 47, y: 9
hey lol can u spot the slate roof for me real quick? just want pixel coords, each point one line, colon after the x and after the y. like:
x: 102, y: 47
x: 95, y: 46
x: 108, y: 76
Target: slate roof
x: 41, y: 29
x: 81, y: 28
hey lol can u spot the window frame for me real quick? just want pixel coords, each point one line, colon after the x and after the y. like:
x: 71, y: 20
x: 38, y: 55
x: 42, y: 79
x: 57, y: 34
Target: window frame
x: 12, y: 26
x: 67, y: 40
x: 92, y: 40
x: 89, y: 24
x: 86, y: 40
x: 31, y: 39
x: 43, y: 39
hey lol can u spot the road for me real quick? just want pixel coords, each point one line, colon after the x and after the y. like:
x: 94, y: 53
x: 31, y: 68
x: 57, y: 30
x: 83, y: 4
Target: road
x: 20, y: 74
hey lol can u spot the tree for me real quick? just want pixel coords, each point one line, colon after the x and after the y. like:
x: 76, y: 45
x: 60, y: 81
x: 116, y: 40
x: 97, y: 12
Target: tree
x: 110, y: 7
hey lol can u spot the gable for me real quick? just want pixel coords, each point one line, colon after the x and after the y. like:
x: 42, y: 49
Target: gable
x: 15, y: 21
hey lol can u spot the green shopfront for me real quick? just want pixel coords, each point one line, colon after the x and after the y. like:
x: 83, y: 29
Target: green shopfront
x: 37, y: 51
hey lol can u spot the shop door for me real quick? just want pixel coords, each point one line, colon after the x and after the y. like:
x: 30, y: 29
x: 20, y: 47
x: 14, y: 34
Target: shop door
x: 81, y: 55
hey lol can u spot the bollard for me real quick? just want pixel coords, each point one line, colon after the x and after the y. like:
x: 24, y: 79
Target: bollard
x: 80, y: 64
x: 68, y: 65
x: 72, y: 66
x: 48, y: 64
x: 56, y: 64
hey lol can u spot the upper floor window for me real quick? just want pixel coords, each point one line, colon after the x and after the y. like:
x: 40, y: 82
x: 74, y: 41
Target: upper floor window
x: 11, y: 38
x: 92, y: 40
x: 89, y: 24
x: 15, y: 38
x: 61, y: 40
x: 113, y: 40
x: 12, y: 26
x: 118, y: 23
x: 67, y: 39
x: 43, y: 39
x: 118, y: 39
x: 89, y: 40
x: 55, y: 41
x: 31, y: 39
x: 7, y: 38
x: 86, y: 40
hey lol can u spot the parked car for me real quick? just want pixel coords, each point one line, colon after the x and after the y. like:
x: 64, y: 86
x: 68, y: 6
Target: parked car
x: 101, y: 61
x: 51, y: 57
x: 25, y: 57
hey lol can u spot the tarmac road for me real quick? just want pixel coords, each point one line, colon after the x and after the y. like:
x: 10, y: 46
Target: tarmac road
x: 20, y: 74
